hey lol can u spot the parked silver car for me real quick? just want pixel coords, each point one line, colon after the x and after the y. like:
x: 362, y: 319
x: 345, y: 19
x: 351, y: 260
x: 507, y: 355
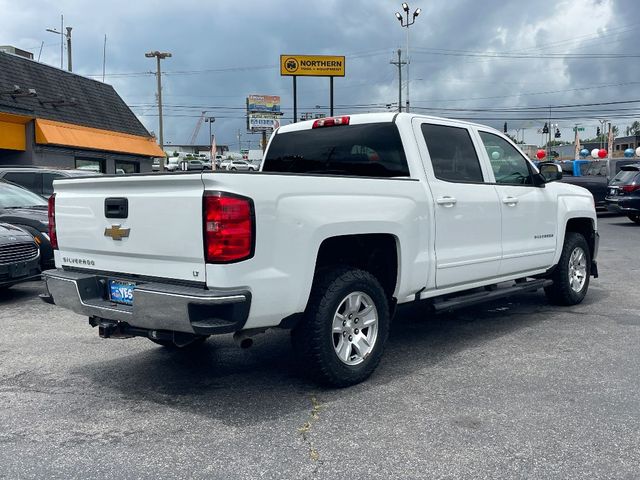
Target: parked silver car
x: 241, y: 165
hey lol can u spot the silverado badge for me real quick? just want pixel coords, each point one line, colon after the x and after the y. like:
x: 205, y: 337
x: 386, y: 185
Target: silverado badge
x: 116, y: 232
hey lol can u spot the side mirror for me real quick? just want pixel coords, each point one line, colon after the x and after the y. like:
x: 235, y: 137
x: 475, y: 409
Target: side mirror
x: 550, y: 171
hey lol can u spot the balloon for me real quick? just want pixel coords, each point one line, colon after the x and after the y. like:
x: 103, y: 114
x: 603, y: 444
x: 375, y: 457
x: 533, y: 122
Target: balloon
x: 638, y: 152
x: 594, y: 153
x: 541, y: 154
x: 495, y: 155
x: 602, y: 153
x: 629, y: 152
x: 584, y: 153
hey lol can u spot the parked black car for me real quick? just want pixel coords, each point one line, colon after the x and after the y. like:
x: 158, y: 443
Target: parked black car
x: 597, y: 178
x: 25, y: 209
x: 19, y: 256
x: 624, y: 193
x: 39, y: 180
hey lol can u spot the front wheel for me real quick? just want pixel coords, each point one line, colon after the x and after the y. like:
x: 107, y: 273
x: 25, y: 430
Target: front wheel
x: 342, y: 335
x: 634, y: 218
x: 571, y: 275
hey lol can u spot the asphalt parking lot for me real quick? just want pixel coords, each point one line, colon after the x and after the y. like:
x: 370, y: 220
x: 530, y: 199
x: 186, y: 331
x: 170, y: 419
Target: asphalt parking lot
x: 513, y: 389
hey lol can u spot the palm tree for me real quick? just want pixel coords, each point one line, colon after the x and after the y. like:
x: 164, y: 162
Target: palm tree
x: 634, y: 129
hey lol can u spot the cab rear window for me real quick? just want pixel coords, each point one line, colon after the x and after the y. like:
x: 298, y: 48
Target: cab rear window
x: 370, y: 150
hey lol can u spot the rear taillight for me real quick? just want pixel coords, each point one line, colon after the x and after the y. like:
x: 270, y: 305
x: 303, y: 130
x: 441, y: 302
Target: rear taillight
x: 229, y: 227
x: 331, y: 122
x: 53, y: 237
x: 629, y: 188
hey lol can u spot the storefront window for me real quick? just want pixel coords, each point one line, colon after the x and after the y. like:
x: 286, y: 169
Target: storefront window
x: 90, y: 164
x: 127, y: 167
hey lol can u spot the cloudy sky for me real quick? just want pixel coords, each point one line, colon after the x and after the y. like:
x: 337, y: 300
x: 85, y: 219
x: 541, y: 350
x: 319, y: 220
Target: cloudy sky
x: 490, y: 60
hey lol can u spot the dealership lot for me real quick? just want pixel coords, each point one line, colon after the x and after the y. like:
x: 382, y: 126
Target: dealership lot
x: 512, y: 389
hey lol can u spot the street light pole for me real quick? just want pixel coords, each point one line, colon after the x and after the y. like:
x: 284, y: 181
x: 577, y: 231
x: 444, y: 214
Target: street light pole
x: 210, y: 120
x: 159, y: 56
x: 407, y: 24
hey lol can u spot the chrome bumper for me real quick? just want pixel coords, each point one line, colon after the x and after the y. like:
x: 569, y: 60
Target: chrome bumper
x: 156, y: 306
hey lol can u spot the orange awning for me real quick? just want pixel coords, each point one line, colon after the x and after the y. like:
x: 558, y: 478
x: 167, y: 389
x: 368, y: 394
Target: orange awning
x: 12, y: 131
x: 49, y: 132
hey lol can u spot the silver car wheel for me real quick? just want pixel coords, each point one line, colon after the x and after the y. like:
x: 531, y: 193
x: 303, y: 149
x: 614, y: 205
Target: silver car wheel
x: 355, y: 328
x: 577, y: 269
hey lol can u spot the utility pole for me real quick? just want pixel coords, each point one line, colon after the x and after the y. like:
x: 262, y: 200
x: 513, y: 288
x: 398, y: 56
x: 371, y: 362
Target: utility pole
x: 62, y: 37
x: 399, y: 63
x: 69, y: 65
x: 159, y: 56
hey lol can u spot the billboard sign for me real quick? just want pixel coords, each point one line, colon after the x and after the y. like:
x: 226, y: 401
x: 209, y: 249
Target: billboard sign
x: 259, y: 122
x: 312, y: 65
x: 263, y: 103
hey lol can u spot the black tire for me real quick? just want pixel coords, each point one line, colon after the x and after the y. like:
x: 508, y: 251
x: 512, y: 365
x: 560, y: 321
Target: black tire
x: 233, y: 168
x: 561, y: 292
x: 169, y: 344
x: 313, y: 339
x: 634, y: 218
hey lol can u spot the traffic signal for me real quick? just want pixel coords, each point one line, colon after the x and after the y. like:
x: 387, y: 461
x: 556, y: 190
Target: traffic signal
x: 598, y: 132
x: 505, y: 127
x: 557, y: 134
x: 545, y: 129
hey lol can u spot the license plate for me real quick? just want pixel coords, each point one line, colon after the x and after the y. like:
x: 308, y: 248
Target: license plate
x: 121, y: 292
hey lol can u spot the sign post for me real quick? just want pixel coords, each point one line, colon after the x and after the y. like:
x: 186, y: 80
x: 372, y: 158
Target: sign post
x: 311, y: 66
x: 263, y: 115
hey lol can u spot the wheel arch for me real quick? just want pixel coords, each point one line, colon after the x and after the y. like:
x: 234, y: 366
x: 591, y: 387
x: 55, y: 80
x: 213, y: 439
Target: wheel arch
x: 376, y: 253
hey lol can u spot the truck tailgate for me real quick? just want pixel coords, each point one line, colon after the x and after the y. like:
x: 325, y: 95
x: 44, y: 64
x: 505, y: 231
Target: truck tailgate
x: 162, y: 229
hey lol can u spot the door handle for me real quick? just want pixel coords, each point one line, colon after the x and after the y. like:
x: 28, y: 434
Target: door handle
x: 446, y: 201
x: 511, y: 201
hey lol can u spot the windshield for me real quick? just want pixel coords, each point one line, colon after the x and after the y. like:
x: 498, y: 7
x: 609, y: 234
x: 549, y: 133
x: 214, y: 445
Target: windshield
x: 12, y: 197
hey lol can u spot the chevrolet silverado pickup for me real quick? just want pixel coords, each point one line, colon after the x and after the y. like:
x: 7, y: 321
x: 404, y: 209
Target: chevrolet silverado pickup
x: 348, y: 217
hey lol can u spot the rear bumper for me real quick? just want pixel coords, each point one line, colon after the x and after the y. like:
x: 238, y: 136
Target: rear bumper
x: 156, y: 306
x: 625, y: 206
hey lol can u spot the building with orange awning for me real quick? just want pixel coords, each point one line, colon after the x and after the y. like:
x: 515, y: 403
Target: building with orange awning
x: 51, y: 117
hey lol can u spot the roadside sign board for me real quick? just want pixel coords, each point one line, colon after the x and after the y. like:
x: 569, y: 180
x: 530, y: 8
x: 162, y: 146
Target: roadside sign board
x: 263, y: 103
x: 312, y: 65
x: 259, y: 122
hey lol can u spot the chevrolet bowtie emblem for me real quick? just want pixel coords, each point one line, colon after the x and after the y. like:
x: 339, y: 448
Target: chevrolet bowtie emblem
x: 116, y: 232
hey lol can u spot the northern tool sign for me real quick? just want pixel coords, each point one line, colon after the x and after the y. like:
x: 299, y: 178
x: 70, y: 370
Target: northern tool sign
x: 312, y: 65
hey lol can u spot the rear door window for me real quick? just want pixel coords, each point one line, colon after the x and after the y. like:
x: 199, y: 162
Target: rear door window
x: 453, y: 156
x: 371, y: 150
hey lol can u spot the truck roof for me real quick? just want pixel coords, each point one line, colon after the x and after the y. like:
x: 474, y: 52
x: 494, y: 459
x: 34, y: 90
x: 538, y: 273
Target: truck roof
x: 383, y: 117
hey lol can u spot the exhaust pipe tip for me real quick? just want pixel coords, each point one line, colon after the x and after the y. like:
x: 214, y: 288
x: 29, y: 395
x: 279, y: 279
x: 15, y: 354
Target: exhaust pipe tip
x: 246, y: 343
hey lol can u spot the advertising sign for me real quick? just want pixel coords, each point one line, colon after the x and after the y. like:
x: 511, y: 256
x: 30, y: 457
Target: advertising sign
x: 259, y: 122
x: 263, y: 103
x: 312, y: 65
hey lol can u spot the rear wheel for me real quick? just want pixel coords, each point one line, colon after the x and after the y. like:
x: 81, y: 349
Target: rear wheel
x: 634, y: 218
x: 571, y: 275
x: 341, y: 338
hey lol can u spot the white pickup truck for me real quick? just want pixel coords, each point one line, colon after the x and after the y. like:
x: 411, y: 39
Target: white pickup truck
x: 349, y: 217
